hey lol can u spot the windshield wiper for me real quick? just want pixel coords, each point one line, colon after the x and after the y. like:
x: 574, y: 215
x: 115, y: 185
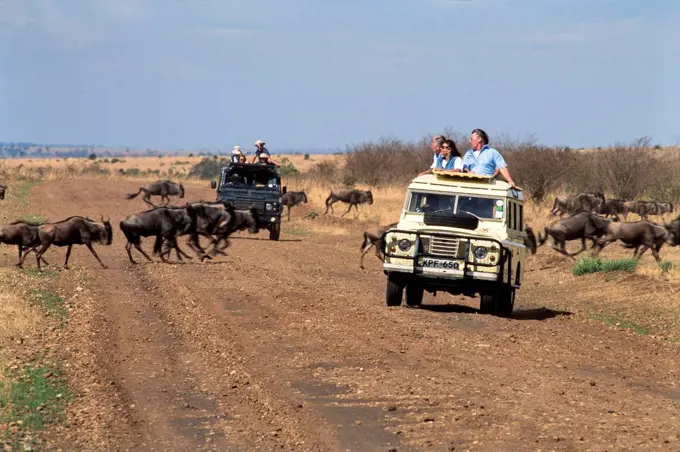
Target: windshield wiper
x: 470, y: 213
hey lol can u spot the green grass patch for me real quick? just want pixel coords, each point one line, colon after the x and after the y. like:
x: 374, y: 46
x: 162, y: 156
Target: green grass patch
x: 666, y: 266
x: 51, y: 303
x: 594, y: 265
x: 32, y: 398
x: 609, y: 320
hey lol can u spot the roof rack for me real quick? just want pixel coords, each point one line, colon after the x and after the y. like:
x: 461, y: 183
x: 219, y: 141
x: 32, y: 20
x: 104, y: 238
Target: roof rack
x: 460, y: 175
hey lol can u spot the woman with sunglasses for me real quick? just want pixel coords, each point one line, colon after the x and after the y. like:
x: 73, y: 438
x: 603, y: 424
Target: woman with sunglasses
x: 449, y: 157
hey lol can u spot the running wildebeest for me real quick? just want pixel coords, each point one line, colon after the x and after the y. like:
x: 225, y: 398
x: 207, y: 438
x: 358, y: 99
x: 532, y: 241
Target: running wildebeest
x: 572, y: 204
x: 74, y: 230
x: 165, y: 223
x: 162, y: 188
x: 372, y: 239
x: 673, y: 229
x: 3, y: 189
x: 583, y: 225
x: 612, y: 207
x: 23, y: 234
x: 636, y: 234
x: 352, y: 197
x: 292, y: 199
x: 530, y: 239
x: 243, y: 220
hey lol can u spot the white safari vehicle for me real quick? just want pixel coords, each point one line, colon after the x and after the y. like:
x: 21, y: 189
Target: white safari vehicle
x: 458, y: 233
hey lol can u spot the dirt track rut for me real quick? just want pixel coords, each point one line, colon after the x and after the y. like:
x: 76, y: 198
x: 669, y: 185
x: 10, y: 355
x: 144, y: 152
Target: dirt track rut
x: 288, y: 346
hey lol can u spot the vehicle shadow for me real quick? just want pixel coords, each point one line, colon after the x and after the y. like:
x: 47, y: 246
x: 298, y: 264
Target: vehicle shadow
x: 517, y: 314
x: 449, y: 308
x: 538, y: 314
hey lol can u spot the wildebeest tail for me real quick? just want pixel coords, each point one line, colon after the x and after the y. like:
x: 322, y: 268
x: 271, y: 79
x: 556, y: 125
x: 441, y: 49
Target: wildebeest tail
x: 541, y: 240
x: 133, y: 195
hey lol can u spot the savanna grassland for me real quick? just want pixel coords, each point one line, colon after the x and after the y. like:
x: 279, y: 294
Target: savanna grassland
x: 288, y: 345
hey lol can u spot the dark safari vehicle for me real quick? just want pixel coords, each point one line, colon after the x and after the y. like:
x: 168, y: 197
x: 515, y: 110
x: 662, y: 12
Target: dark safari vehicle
x: 257, y: 185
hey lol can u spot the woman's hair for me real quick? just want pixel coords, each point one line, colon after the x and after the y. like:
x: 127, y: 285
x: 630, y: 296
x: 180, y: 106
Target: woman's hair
x: 454, y: 149
x: 482, y: 134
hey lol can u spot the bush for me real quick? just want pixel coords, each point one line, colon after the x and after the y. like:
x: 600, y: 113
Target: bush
x: 307, y: 157
x: 208, y: 168
x: 540, y: 170
x: 92, y: 156
x: 287, y: 168
x: 593, y: 265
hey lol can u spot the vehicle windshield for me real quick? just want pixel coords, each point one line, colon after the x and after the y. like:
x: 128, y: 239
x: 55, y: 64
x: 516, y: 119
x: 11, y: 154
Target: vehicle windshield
x: 485, y: 208
x: 235, y: 177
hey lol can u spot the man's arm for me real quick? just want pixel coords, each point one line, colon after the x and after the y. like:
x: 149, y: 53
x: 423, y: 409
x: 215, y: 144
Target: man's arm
x: 508, y: 177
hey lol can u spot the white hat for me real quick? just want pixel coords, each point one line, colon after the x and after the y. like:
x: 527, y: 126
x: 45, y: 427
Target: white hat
x: 259, y: 142
x: 237, y: 150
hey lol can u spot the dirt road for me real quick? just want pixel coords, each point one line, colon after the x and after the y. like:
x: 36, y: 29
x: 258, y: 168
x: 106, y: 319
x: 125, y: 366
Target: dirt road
x: 289, y: 346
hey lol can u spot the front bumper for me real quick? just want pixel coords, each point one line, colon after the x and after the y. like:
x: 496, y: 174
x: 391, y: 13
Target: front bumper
x: 452, y: 270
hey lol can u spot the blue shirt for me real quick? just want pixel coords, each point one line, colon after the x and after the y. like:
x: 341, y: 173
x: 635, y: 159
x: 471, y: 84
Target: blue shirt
x: 486, y: 163
x: 453, y: 163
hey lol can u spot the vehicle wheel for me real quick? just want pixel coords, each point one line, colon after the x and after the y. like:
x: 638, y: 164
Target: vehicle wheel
x: 505, y: 303
x: 275, y: 231
x: 414, y: 293
x: 394, y: 291
x: 499, y: 303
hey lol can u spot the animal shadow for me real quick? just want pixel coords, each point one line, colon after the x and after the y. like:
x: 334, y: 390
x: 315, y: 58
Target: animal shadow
x: 542, y: 313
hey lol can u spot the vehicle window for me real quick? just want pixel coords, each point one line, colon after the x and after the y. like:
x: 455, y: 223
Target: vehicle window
x: 521, y: 219
x: 430, y: 203
x: 481, y: 207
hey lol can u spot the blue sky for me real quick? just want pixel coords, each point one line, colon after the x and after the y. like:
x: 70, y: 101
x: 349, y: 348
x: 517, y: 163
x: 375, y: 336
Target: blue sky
x: 312, y: 74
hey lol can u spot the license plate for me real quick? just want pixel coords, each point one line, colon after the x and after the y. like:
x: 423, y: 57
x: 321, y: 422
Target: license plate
x: 439, y: 263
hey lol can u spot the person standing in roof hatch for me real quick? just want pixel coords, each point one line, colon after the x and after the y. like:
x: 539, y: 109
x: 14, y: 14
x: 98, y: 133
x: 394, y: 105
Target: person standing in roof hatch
x: 260, y: 149
x: 485, y: 160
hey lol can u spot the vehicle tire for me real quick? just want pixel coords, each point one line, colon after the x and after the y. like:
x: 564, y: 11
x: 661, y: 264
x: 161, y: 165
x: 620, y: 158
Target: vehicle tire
x: 394, y: 291
x: 414, y: 293
x: 275, y: 231
x: 505, y: 302
x: 498, y: 303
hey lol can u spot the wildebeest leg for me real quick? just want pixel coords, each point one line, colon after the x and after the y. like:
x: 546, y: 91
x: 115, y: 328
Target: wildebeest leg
x: 364, y: 250
x: 288, y: 212
x: 128, y: 248
x: 350, y: 208
x: 20, y: 262
x: 39, y: 254
x: 68, y: 253
x: 89, y: 247
x: 583, y: 247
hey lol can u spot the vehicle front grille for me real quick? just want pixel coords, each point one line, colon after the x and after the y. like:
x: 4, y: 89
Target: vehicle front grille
x: 446, y: 247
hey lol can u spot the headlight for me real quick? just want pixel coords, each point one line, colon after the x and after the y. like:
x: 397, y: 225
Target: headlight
x: 405, y: 244
x: 269, y: 207
x: 481, y: 252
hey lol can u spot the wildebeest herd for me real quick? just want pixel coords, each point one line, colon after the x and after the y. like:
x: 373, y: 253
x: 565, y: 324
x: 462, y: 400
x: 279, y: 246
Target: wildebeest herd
x: 215, y: 221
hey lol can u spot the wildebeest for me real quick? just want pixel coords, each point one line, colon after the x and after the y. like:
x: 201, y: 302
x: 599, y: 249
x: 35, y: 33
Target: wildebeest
x: 587, y: 202
x: 673, y: 229
x: 612, y: 207
x: 242, y: 220
x: 74, y: 230
x: 292, y: 199
x: 23, y: 234
x: 164, y: 223
x: 636, y: 234
x: 3, y: 189
x: 583, y: 225
x: 530, y: 239
x: 372, y: 239
x: 352, y: 197
x: 162, y: 188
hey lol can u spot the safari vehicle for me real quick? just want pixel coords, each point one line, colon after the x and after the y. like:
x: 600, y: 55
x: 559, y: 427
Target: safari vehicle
x: 257, y: 185
x: 459, y: 233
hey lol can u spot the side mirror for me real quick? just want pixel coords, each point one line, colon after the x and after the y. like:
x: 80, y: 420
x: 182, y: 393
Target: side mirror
x: 213, y: 184
x: 284, y: 189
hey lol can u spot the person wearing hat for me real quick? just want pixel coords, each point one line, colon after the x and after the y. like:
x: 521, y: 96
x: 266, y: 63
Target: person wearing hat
x: 265, y: 159
x: 259, y: 144
x: 236, y: 154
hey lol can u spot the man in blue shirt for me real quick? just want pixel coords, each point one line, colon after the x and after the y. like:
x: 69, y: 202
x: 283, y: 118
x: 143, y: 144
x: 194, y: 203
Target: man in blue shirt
x: 484, y: 160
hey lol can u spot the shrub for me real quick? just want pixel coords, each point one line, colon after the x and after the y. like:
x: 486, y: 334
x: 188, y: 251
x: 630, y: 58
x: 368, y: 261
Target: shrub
x: 540, y: 169
x: 593, y: 265
x: 287, y: 168
x: 208, y: 168
x: 307, y: 157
